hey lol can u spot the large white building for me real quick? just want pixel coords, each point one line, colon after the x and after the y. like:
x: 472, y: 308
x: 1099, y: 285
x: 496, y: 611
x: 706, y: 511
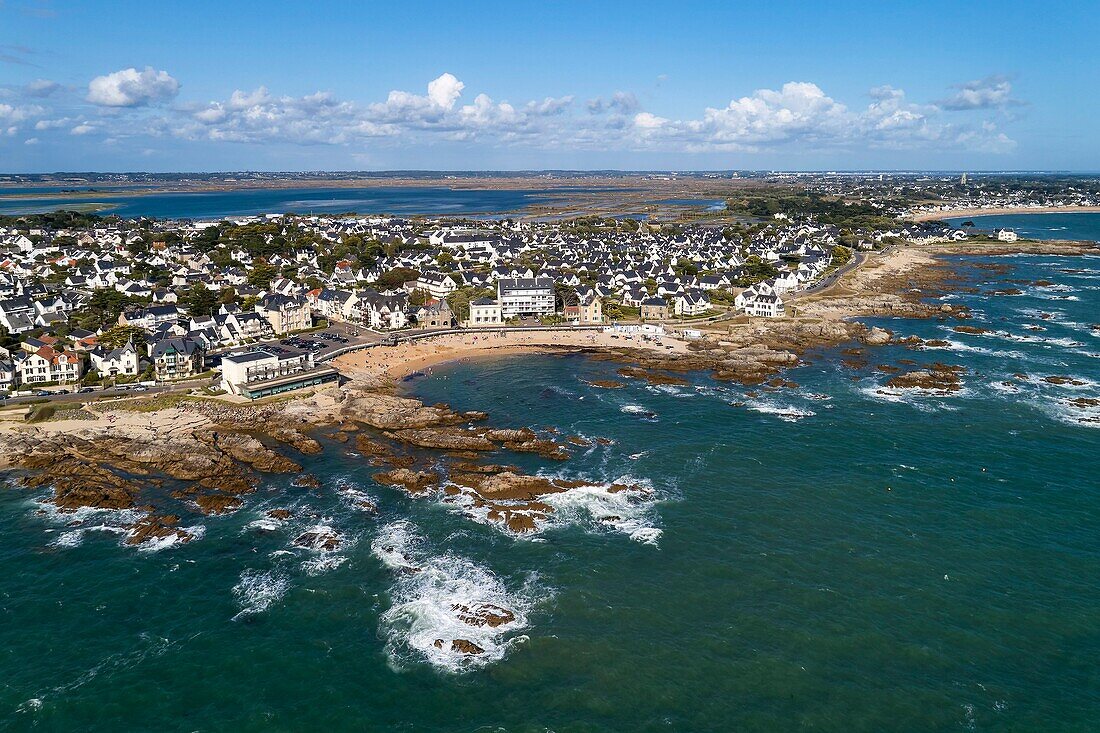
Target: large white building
x: 525, y: 296
x: 260, y: 373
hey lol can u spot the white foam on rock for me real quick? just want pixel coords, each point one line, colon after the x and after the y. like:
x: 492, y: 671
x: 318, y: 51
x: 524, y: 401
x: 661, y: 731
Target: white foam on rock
x: 598, y: 508
x: 431, y: 595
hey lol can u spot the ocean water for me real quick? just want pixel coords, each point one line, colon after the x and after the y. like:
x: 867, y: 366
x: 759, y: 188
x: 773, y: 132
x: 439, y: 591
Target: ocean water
x: 396, y: 200
x: 835, y: 556
x: 1079, y: 225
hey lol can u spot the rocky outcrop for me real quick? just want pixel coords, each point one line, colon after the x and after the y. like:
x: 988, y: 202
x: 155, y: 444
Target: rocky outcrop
x: 296, y: 439
x: 483, y: 614
x: 157, y: 527
x: 936, y: 378
x: 650, y: 376
x: 414, y: 482
x: 77, y: 484
x: 247, y: 449
x: 320, y: 539
x: 462, y: 646
x: 1063, y: 381
x: 877, y: 336
x: 218, y: 503
x: 444, y: 438
x: 389, y: 412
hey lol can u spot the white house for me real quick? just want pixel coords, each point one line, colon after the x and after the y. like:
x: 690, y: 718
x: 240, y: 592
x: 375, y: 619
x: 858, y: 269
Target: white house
x: 120, y: 362
x: 484, y: 312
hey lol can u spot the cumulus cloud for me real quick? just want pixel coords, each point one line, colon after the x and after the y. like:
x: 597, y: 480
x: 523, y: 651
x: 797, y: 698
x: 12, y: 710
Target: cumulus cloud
x: 988, y: 93
x: 132, y: 88
x: 797, y: 115
x: 445, y: 90
x: 802, y: 114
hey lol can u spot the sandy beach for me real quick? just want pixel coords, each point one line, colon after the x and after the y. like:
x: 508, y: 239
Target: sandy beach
x: 395, y: 362
x: 955, y: 213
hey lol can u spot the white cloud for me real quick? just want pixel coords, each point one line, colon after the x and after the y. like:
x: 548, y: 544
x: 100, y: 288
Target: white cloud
x: 31, y: 141
x: 647, y: 121
x: 41, y: 88
x: 799, y: 115
x: 988, y: 93
x: 132, y: 88
x: 445, y: 90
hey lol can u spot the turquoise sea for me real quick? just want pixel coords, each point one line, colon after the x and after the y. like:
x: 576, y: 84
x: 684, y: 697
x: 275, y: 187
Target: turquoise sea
x: 833, y: 557
x: 1075, y: 225
x: 395, y: 200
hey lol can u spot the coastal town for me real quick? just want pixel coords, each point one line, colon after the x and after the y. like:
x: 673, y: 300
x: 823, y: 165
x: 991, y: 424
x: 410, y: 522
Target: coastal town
x: 253, y: 306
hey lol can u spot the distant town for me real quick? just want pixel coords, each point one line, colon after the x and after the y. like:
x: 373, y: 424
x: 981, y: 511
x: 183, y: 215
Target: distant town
x: 255, y: 305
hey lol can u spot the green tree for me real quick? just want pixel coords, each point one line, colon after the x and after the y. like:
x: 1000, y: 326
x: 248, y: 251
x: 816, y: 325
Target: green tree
x: 200, y: 300
x: 118, y: 336
x: 261, y: 275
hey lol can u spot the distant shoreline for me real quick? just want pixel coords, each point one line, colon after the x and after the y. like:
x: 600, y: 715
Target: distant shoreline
x: 976, y: 213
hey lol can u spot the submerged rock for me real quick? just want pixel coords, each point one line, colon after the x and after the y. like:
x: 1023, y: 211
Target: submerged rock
x: 322, y: 539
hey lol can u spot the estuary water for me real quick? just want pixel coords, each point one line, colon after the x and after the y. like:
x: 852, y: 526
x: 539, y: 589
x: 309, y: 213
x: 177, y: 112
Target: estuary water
x: 832, y: 556
x: 395, y: 200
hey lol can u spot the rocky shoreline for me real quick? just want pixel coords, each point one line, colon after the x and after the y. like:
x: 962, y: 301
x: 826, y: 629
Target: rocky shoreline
x: 211, y: 465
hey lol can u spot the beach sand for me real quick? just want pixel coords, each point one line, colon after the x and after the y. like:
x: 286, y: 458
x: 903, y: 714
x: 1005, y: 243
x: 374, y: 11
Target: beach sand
x: 395, y: 362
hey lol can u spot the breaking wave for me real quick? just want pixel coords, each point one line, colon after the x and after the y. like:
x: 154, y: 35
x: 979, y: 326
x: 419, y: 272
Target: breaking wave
x: 448, y: 610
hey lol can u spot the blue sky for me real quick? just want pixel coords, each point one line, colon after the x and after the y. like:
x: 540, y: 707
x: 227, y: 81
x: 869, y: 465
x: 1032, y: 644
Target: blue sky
x: 491, y: 85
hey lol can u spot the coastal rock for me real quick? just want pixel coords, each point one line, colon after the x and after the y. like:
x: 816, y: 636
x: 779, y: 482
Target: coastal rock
x: 877, y: 336
x: 1061, y: 381
x: 651, y: 377
x: 414, y: 482
x: 306, y: 481
x: 153, y: 527
x: 388, y: 412
x: 443, y: 439
x: 321, y: 539
x: 975, y: 330
x: 280, y: 515
x: 469, y: 467
x: 218, y: 503
x: 483, y: 614
x: 509, y: 436
x: 296, y: 439
x: 246, y: 449
x: 936, y: 378
x: 463, y: 646
x: 543, y: 447
x: 77, y: 484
